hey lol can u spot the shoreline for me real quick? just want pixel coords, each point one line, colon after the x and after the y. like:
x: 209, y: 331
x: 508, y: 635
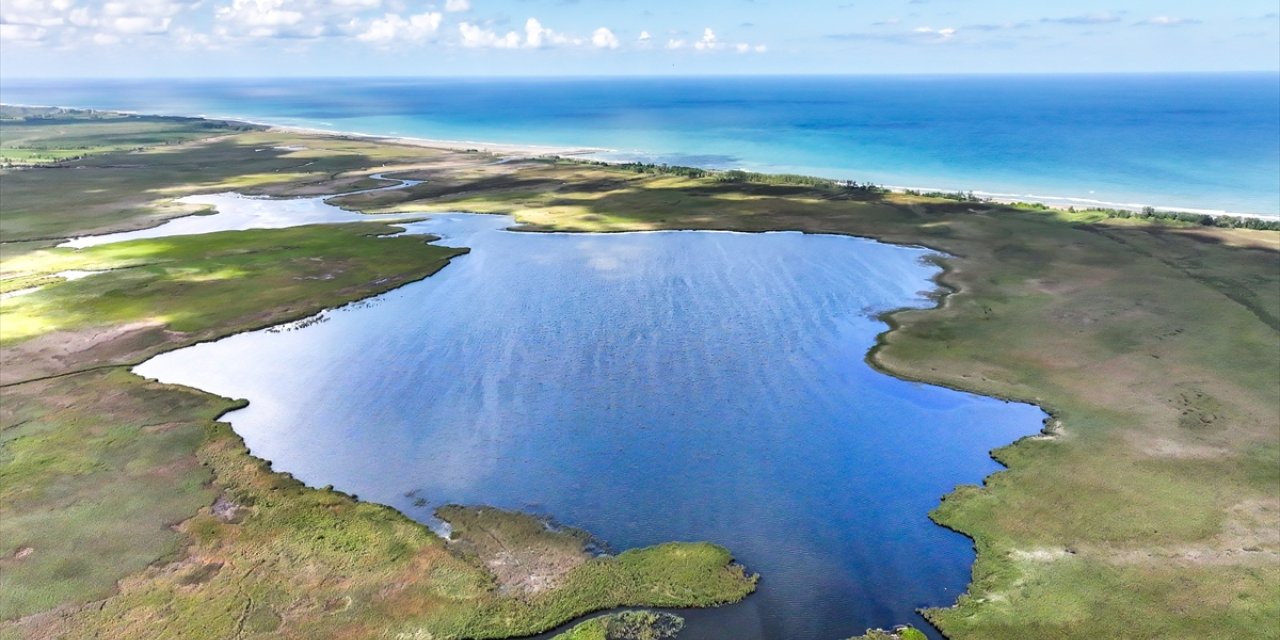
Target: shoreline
x: 523, y: 150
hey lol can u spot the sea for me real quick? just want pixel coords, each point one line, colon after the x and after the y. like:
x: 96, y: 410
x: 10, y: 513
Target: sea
x: 1189, y: 142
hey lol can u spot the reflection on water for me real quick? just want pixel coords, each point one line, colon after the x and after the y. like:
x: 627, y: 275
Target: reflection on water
x: 646, y: 387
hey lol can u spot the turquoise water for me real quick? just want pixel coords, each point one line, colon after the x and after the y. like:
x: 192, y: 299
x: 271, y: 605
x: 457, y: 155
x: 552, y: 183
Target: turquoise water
x: 646, y: 387
x: 1199, y: 141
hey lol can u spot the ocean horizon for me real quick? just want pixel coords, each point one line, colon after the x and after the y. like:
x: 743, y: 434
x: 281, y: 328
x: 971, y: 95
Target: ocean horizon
x: 1197, y: 142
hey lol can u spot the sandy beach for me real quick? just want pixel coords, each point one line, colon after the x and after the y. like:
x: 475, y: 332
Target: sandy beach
x: 501, y: 148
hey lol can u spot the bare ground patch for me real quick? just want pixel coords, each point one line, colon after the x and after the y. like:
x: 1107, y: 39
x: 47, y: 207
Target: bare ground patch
x: 61, y: 352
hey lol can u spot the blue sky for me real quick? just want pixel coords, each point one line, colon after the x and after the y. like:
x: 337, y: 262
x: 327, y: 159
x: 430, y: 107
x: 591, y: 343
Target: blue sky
x: 148, y: 38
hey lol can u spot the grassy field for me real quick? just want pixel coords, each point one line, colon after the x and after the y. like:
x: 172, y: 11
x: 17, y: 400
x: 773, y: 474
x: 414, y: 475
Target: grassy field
x: 35, y: 136
x: 904, y: 633
x: 626, y: 625
x: 1149, y: 508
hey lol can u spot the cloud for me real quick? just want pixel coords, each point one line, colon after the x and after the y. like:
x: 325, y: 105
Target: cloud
x: 392, y: 28
x: 1001, y: 26
x: 169, y: 25
x: 941, y: 34
x: 603, y: 38
x: 1166, y: 21
x: 712, y: 42
x: 534, y: 33
x: 1105, y: 17
x: 537, y: 36
x: 918, y: 36
x: 27, y: 33
x: 140, y: 24
x: 101, y: 23
x: 37, y: 14
x: 475, y: 36
x: 261, y: 18
x: 190, y: 39
x: 708, y: 40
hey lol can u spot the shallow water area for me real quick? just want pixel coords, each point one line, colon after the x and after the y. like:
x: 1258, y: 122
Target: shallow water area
x: 234, y: 212
x: 646, y: 387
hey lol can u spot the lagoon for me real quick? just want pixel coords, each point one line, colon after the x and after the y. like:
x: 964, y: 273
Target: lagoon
x: 646, y: 387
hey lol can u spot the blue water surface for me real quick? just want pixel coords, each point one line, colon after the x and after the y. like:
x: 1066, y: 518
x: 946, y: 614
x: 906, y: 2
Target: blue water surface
x: 647, y: 387
x: 1189, y: 141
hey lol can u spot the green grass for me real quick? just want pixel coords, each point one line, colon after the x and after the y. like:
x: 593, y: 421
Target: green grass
x: 43, y: 136
x: 90, y: 486
x: 626, y: 625
x: 901, y: 633
x: 194, y: 284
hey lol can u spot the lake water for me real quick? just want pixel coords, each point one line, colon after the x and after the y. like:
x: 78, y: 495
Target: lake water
x: 236, y: 211
x: 646, y: 387
x: 1186, y: 141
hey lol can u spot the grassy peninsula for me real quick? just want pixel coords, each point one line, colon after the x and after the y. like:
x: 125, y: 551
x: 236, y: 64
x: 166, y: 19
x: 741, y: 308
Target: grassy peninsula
x: 1150, y: 507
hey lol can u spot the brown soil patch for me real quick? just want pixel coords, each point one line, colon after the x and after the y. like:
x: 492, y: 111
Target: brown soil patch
x: 61, y: 352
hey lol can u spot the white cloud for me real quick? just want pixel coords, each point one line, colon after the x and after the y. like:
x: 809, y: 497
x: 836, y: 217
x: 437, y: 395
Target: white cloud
x: 392, y: 28
x: 474, y: 36
x: 534, y: 32
x: 31, y: 13
x: 10, y: 32
x: 1106, y: 17
x: 102, y: 23
x: 1168, y: 21
x: 936, y: 34
x: 190, y: 39
x: 644, y: 36
x: 140, y: 24
x: 707, y: 42
x: 80, y: 17
x: 455, y: 6
x: 711, y: 42
x: 536, y: 36
x: 262, y: 18
x: 603, y: 38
